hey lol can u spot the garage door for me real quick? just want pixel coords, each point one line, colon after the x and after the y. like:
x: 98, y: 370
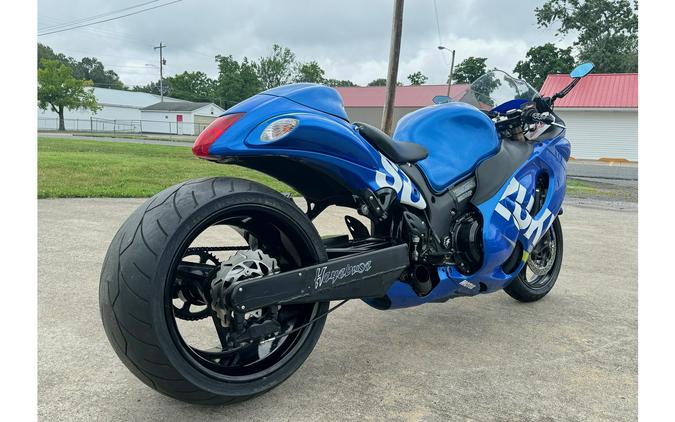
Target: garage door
x: 602, y: 134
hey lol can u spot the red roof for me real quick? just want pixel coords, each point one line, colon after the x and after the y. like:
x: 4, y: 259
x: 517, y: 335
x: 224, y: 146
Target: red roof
x: 406, y: 96
x: 601, y: 90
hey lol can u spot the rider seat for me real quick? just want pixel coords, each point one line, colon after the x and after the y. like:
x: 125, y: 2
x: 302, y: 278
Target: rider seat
x: 397, y: 151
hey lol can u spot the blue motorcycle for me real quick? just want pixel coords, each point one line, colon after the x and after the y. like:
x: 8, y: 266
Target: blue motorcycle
x: 462, y: 200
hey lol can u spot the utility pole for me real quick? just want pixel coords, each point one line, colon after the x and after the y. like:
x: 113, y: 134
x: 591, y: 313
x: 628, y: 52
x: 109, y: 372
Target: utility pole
x: 160, y: 47
x: 392, y: 74
x: 452, y: 67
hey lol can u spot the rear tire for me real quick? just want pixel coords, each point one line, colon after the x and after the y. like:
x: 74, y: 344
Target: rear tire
x: 137, y: 270
x: 525, y: 290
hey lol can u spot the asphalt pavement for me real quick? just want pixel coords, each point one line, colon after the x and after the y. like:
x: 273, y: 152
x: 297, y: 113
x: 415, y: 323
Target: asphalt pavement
x: 570, y: 356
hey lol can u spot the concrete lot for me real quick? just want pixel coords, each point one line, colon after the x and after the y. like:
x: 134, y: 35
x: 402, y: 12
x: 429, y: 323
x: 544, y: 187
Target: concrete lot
x: 571, y: 356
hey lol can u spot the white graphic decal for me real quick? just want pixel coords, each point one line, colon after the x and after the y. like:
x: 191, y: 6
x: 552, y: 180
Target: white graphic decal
x: 401, y: 184
x: 514, y: 197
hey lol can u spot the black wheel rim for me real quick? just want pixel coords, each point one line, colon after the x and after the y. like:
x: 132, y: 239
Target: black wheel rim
x: 242, y: 364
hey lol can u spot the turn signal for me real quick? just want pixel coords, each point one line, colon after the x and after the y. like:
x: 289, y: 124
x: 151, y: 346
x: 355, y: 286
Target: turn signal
x: 212, y: 133
x: 278, y: 129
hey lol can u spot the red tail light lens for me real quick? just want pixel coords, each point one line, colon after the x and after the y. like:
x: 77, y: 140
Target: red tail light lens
x: 213, y: 132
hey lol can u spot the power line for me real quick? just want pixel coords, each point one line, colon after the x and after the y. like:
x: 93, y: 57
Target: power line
x: 100, y: 15
x: 109, y: 19
x: 438, y: 28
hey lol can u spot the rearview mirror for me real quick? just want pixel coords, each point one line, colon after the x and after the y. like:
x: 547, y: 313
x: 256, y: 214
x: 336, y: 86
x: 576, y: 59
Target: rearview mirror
x: 441, y: 99
x: 582, y: 70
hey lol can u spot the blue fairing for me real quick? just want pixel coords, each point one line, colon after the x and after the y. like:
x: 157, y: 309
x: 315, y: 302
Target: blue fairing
x: 506, y: 220
x: 323, y: 140
x: 318, y: 97
x: 457, y: 135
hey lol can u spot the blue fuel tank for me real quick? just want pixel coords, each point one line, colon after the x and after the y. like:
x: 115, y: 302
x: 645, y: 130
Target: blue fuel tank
x: 458, y: 137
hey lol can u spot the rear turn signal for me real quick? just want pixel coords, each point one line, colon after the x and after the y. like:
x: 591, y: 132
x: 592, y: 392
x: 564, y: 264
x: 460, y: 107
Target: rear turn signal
x: 213, y: 132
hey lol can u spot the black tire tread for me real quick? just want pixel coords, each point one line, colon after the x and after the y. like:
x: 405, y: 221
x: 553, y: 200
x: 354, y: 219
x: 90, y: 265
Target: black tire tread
x: 125, y: 289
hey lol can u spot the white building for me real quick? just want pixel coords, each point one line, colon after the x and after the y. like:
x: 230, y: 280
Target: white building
x: 123, y: 111
x: 601, y: 114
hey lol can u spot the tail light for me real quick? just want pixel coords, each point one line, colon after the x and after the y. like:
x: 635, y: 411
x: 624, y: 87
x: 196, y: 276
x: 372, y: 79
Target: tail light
x: 213, y: 132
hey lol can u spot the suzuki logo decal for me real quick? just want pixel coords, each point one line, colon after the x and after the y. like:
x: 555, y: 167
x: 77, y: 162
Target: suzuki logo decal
x: 520, y: 201
x: 397, y: 180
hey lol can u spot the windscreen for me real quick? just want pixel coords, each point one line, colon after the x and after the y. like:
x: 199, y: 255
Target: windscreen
x: 496, y: 88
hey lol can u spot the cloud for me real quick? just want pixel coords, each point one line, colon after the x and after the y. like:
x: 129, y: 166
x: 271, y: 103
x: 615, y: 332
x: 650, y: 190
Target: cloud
x: 350, y: 38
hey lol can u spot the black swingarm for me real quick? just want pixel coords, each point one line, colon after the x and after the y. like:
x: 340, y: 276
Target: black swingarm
x: 361, y: 275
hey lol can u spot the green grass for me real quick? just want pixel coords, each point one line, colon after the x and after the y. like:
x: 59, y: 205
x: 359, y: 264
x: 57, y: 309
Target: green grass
x: 75, y: 168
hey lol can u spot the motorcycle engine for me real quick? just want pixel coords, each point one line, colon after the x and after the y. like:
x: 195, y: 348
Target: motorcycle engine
x: 467, y: 235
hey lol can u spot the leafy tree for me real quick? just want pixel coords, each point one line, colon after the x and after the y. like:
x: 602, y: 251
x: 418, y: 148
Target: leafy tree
x: 542, y: 60
x: 417, y: 78
x: 469, y: 70
x: 150, y: 88
x: 378, y: 82
x: 277, y: 68
x: 236, y: 81
x: 310, y: 72
x: 91, y: 69
x: 59, y: 90
x: 192, y: 86
x: 88, y: 68
x: 607, y: 30
x: 339, y: 82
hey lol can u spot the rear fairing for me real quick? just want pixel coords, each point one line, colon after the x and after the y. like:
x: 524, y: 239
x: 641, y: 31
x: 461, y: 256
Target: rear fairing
x: 321, y: 141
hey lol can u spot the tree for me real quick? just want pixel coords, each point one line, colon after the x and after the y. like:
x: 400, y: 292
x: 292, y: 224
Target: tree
x: 378, y: 82
x: 192, y: 86
x: 310, y: 72
x: 339, y: 82
x: 236, y: 81
x: 607, y: 30
x: 417, y: 78
x: 91, y: 69
x: 88, y: 68
x: 542, y: 60
x: 59, y: 90
x: 469, y: 70
x: 150, y: 88
x: 277, y: 68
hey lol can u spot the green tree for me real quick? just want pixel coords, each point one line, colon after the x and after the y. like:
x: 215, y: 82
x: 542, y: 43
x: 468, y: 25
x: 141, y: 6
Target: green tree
x: 607, y: 30
x: 236, y: 81
x: 150, y: 88
x: 192, y: 86
x: 310, y: 72
x: 91, y: 69
x: 417, y: 78
x: 469, y: 70
x: 378, y: 82
x: 339, y: 82
x: 277, y: 68
x: 60, y: 90
x: 542, y: 60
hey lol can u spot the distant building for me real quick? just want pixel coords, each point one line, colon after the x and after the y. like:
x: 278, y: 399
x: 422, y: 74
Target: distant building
x: 365, y: 104
x: 135, y: 112
x: 601, y: 114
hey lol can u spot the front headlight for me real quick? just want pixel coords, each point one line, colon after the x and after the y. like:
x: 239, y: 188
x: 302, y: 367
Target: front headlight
x: 278, y: 129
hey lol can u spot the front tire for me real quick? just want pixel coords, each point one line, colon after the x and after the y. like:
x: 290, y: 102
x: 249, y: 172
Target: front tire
x: 139, y: 271
x: 528, y: 287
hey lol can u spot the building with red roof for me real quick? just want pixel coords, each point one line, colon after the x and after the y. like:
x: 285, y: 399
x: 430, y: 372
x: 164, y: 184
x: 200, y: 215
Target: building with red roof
x: 601, y: 114
x: 365, y: 104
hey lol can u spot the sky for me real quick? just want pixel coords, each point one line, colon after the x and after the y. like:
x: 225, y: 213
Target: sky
x: 348, y: 38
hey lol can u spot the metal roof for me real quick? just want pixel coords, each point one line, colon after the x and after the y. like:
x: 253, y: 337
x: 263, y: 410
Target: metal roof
x: 406, y: 96
x: 597, y: 90
x: 119, y: 97
x: 175, y: 106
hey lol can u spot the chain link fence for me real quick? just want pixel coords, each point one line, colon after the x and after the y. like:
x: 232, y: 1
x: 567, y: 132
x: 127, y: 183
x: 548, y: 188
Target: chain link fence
x: 122, y: 126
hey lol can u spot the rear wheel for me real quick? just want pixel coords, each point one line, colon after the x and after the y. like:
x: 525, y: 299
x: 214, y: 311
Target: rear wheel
x: 161, y: 269
x: 539, y: 275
